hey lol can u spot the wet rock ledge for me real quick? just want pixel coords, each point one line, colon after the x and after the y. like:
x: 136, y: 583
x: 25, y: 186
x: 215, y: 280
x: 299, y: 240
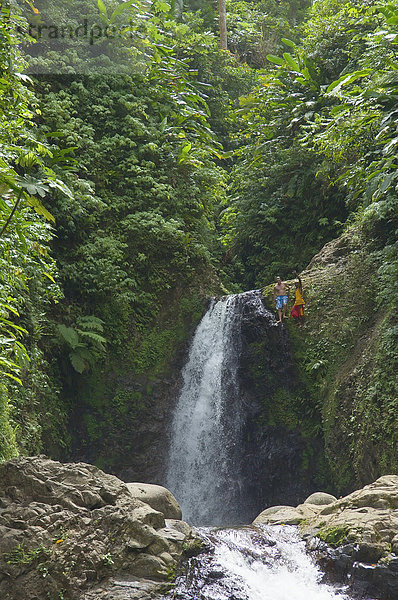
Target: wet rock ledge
x: 70, y: 531
x: 355, y: 537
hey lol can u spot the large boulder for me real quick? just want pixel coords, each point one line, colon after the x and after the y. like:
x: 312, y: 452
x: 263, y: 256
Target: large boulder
x: 157, y: 496
x: 357, y: 535
x: 285, y: 515
x: 368, y: 516
x: 72, y: 528
x: 361, y: 532
x: 320, y: 499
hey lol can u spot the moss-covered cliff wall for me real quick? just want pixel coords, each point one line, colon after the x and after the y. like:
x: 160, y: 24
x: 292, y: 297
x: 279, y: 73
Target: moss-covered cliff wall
x: 347, y: 358
x: 120, y: 411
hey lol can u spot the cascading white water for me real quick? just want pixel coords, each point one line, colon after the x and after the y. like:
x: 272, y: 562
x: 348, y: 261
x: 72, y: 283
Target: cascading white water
x: 255, y: 563
x: 203, y: 472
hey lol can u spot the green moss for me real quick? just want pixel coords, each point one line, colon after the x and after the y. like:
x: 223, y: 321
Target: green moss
x: 129, y: 402
x: 93, y: 427
x: 335, y: 536
x: 171, y: 573
x: 307, y: 456
x: 193, y: 547
x: 280, y: 410
x: 160, y: 341
x: 348, y: 362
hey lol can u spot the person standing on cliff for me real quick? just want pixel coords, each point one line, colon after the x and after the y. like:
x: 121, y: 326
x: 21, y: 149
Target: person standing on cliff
x: 298, y: 307
x: 280, y: 298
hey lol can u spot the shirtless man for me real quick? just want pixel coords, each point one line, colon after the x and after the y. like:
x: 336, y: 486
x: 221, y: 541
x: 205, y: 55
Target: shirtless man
x: 280, y: 297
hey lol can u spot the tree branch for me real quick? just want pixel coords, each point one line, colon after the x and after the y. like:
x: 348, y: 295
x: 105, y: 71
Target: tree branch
x: 12, y: 213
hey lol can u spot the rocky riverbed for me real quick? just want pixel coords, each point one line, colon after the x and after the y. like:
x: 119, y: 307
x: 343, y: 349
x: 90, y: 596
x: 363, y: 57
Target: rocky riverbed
x: 70, y: 531
x: 355, y: 537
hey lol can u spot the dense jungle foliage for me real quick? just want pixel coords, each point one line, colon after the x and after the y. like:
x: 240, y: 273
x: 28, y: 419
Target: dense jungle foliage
x: 145, y: 170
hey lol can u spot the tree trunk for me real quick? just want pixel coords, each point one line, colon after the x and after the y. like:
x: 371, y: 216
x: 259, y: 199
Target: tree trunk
x: 223, y: 24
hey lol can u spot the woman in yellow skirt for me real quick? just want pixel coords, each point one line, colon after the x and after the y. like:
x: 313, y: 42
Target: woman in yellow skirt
x: 298, y: 307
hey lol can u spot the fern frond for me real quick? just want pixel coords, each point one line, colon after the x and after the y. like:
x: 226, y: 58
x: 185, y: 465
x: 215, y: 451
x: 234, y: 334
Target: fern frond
x: 69, y: 335
x: 78, y: 362
x: 99, y: 339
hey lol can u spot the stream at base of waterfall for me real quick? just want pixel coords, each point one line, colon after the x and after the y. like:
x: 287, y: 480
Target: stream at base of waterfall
x: 254, y: 563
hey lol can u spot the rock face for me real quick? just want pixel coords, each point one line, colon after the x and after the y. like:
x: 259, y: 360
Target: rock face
x: 359, y: 533
x: 279, y: 461
x: 69, y: 528
x: 158, y: 497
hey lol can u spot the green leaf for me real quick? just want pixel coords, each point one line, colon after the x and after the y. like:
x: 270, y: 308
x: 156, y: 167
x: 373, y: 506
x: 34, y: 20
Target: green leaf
x: 386, y: 183
x: 14, y: 377
x: 289, y: 43
x: 291, y: 62
x: 49, y: 276
x: 184, y: 152
x: 78, y: 363
x: 275, y: 59
x: 103, y: 12
x: 336, y: 86
x: 10, y: 308
x: 39, y: 208
x: 391, y: 144
x: 69, y: 335
x: 92, y: 335
x: 122, y: 8
x: 17, y: 328
x: 340, y: 109
x: 60, y: 185
x: 90, y: 322
x: 163, y: 125
x: 22, y: 238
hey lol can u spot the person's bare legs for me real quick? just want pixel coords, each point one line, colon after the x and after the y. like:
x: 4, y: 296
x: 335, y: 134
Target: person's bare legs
x: 284, y: 311
x: 280, y: 315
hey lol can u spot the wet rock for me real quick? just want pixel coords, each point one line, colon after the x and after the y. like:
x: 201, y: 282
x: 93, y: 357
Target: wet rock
x: 273, y: 448
x: 215, y: 575
x: 158, y: 497
x: 354, y: 536
x: 368, y: 516
x: 72, y: 528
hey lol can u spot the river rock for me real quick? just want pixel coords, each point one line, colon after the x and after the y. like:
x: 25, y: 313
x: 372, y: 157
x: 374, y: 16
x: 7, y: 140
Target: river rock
x: 367, y: 516
x: 71, y: 529
x: 360, y: 531
x: 285, y: 515
x: 158, y: 497
x: 320, y: 499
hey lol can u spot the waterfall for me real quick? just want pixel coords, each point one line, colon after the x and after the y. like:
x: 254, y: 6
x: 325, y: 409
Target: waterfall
x: 210, y: 474
x: 205, y: 463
